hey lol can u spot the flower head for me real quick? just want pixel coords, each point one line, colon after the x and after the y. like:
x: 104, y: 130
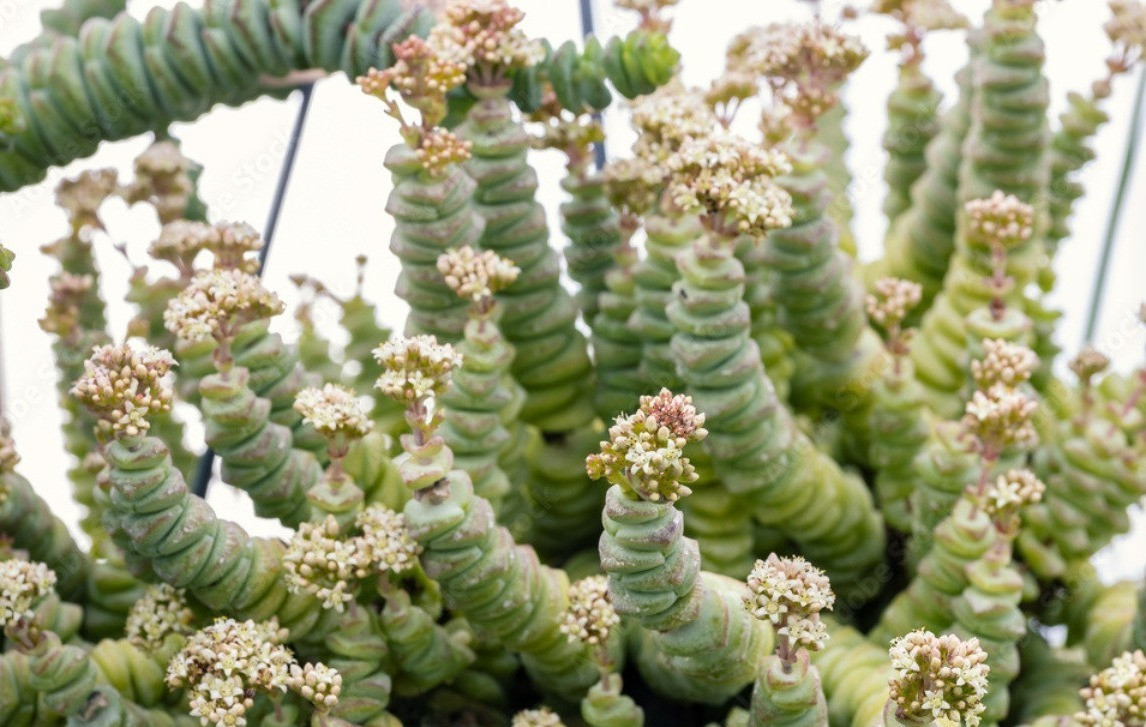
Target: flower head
x: 1089, y: 363
x: 1004, y: 363
x: 9, y: 457
x: 938, y: 678
x: 440, y: 148
x: 1117, y: 694
x: 386, y: 543
x: 67, y: 297
x: 162, y: 178
x: 181, y: 241
x: 319, y: 561
x: 645, y: 455
x: 317, y: 683
x: 422, y: 75
x: 22, y: 584
x: 415, y: 368
x: 161, y: 611
x: 476, y: 275
x: 1010, y: 492
x: 1000, y: 417
x: 1127, y: 25
x: 922, y: 14
x: 590, y: 617
x: 217, y: 302
x: 124, y: 386
x: 790, y: 593
x: 891, y: 300
x: 1001, y: 220
x: 544, y: 717
x: 334, y: 410
x: 484, y: 34
x: 82, y: 196
x: 633, y: 185
x: 232, y: 245
x: 666, y: 118
x: 730, y: 180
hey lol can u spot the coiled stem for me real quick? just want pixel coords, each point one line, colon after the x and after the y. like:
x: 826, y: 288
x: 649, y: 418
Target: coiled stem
x: 789, y: 695
x: 606, y: 706
x: 593, y: 229
x: 911, y: 125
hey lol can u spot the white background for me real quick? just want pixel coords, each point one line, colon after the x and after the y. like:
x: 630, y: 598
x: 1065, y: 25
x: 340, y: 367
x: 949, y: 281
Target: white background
x: 334, y: 209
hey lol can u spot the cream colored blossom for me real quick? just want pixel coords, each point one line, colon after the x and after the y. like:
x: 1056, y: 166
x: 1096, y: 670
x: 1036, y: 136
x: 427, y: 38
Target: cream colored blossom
x: 1011, y: 491
x: 1089, y: 363
x: 790, y: 593
x: 1001, y: 417
x: 1127, y: 26
x: 1003, y: 362
x: 318, y: 684
x: 180, y: 241
x: 232, y: 246
x: 161, y: 611
x: 891, y: 300
x: 1001, y: 219
x: 922, y: 14
x: 386, y: 544
x: 645, y: 455
x: 82, y: 196
x: 668, y: 117
x: 67, y: 297
x: 334, y: 410
x: 125, y: 386
x: 216, y: 302
x: 633, y: 185
x: 422, y: 75
x: 590, y: 617
x: 23, y: 583
x: 938, y: 678
x: 319, y: 561
x: 440, y: 149
x: 9, y: 457
x: 731, y: 180
x: 544, y: 717
x: 476, y: 275
x: 162, y: 179
x: 1116, y: 696
x: 416, y: 367
x: 485, y: 33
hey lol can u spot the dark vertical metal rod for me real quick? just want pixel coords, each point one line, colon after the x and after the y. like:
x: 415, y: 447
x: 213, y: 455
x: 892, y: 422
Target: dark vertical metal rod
x: 1114, y: 219
x: 207, y: 460
x: 587, y: 29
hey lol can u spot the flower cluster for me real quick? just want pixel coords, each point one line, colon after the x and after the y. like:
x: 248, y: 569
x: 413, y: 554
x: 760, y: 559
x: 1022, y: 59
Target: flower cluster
x: 1003, y: 362
x: 802, y: 62
x: 938, y: 678
x: 922, y: 14
x: 650, y: 12
x: 181, y: 241
x: 483, y: 35
x: 161, y: 611
x: 1117, y: 694
x: 1089, y: 363
x: 666, y: 118
x: 9, y: 457
x: 645, y: 451
x: 22, y: 584
x: 730, y: 180
x: 572, y: 135
x: 416, y: 368
x: 216, y: 303
x: 1000, y: 417
x: 385, y: 541
x: 82, y: 196
x: 319, y: 561
x: 544, y: 717
x: 633, y: 185
x: 162, y: 178
x: 476, y: 275
x: 790, y: 593
x: 590, y: 617
x: 334, y: 411
x: 1010, y: 492
x: 439, y: 149
x: 125, y: 386
x: 891, y: 300
x: 227, y: 661
x: 1001, y: 220
x: 1127, y: 25
x: 232, y: 246
x: 422, y: 75
x: 67, y: 296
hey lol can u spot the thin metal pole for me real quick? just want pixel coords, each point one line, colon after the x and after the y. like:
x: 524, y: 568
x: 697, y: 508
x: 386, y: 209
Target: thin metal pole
x: 587, y: 29
x: 207, y: 460
x: 1114, y: 219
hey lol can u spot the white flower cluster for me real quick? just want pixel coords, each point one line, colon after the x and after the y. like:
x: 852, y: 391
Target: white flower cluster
x: 633, y: 185
x: 666, y: 118
x: 1127, y: 26
x: 416, y: 368
x: 161, y: 611
x: 224, y: 663
x: 922, y: 14
x: 180, y: 241
x: 485, y: 33
x: 232, y: 248
x: 1003, y: 362
x: 82, y: 196
x: 790, y: 593
x: 476, y: 275
x: 22, y: 584
x: 938, y: 678
x: 590, y: 617
x: 1116, y: 696
x: 334, y: 410
x: 1011, y: 491
x: 386, y: 542
x: 1001, y: 219
x: 727, y: 178
x: 544, y: 717
x: 125, y: 386
x: 319, y: 561
x: 9, y: 457
x: 216, y: 302
x: 1089, y: 363
x: 891, y: 300
x: 645, y: 450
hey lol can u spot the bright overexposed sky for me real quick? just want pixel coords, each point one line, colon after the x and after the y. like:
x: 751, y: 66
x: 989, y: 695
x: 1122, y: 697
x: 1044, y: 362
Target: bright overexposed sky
x: 335, y: 206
